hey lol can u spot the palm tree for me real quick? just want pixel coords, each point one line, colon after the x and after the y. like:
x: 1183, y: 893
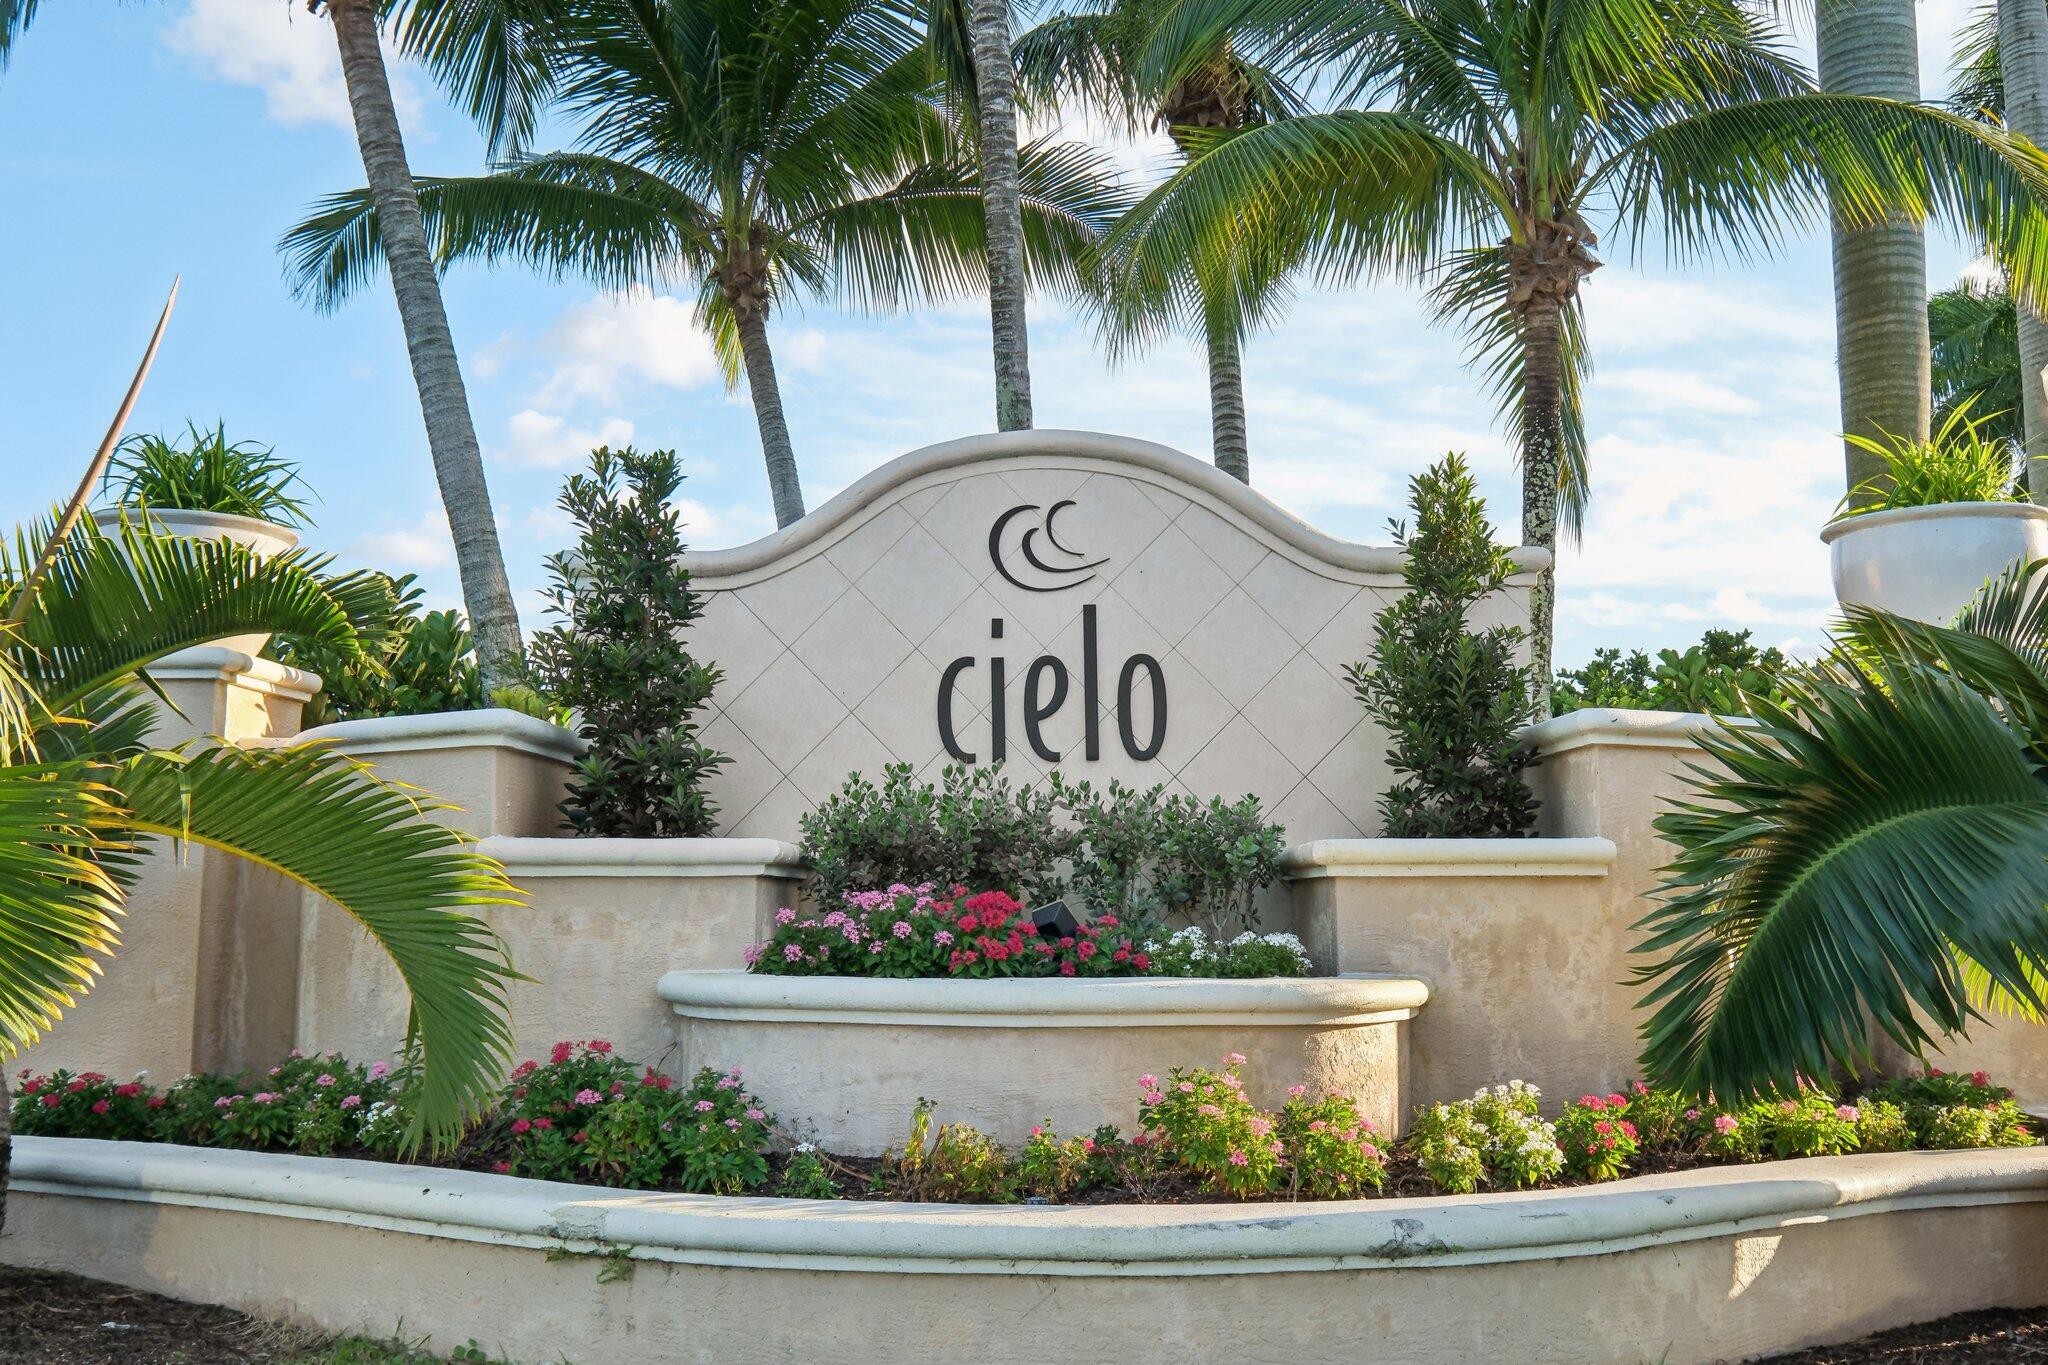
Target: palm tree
x: 1869, y: 47
x: 1974, y: 331
x: 84, y: 797
x: 1094, y: 56
x: 1870, y: 851
x: 969, y: 42
x: 483, y: 48
x: 1486, y: 135
x: 2006, y: 48
x: 760, y: 150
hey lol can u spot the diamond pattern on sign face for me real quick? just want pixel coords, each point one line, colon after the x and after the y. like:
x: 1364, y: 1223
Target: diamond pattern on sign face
x: 916, y: 583
x: 729, y: 635
x: 852, y: 648
x: 849, y: 749
x: 1237, y: 647
x: 787, y: 711
x: 1304, y: 712
x: 903, y: 711
x: 1302, y: 601
x: 1305, y: 813
x: 1044, y: 486
x: 964, y: 632
x: 1233, y: 549
x: 864, y: 544
x: 790, y: 600
x: 1195, y: 711
x: 1166, y: 500
x: 1237, y: 761
x: 1354, y: 774
x: 775, y: 816
x: 961, y: 519
x: 1110, y: 516
x: 1348, y: 636
x: 1045, y: 615
x: 1173, y: 583
x: 971, y: 731
x: 920, y: 502
x: 738, y: 786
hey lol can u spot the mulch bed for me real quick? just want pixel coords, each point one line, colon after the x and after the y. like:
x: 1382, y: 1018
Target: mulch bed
x: 55, y: 1319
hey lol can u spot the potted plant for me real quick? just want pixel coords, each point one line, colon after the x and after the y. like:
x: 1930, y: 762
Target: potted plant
x: 209, y: 488
x: 1945, y: 515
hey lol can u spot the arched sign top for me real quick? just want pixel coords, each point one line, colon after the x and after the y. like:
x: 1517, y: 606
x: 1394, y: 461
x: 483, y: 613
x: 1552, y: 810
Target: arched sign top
x: 1049, y: 600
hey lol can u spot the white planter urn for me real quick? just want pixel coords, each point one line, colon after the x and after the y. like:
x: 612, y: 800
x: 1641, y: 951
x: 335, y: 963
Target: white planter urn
x: 265, y: 538
x: 1929, y: 562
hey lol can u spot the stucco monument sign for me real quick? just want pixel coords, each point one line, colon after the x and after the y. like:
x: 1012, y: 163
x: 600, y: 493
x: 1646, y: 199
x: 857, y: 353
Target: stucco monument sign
x: 1049, y: 600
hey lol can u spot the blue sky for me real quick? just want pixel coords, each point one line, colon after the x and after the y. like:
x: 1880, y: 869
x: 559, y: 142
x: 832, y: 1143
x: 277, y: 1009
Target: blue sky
x: 141, y: 141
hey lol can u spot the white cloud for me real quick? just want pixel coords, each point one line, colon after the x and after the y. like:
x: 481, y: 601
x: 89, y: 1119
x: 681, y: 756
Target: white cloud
x: 413, y: 549
x: 545, y: 440
x: 279, y: 49
x: 649, y: 338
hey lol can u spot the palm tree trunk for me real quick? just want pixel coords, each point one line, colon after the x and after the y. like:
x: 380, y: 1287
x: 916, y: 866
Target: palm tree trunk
x: 2023, y: 71
x: 1868, y: 47
x: 444, y: 403
x: 995, y: 88
x: 1542, y: 450
x: 775, y: 446
x: 1226, y: 403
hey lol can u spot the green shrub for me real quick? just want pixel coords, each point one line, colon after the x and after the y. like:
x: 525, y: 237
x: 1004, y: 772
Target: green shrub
x: 1448, y: 1144
x: 1152, y: 859
x: 804, y: 1176
x: 1212, y: 1130
x: 208, y: 473
x: 619, y: 659
x: 1712, y: 676
x: 1452, y: 699
x: 956, y: 1164
x: 412, y: 663
x: 85, y: 1104
x: 1497, y: 1137
x: 1949, y: 1110
x: 1052, y: 1167
x: 971, y: 828
x: 1329, y: 1147
x: 1811, y: 1125
x: 1597, y: 1137
x: 1963, y: 461
x: 1881, y: 1127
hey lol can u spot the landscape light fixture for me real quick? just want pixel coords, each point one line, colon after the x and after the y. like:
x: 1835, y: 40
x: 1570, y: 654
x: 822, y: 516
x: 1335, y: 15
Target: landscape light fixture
x: 1054, y: 922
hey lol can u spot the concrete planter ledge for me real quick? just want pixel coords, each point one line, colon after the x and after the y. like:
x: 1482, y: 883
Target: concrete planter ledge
x: 851, y: 1056
x: 567, y: 857
x: 1708, y: 1265
x: 221, y: 664
x: 963, y: 1239
x: 492, y: 727
x: 1626, y: 729
x: 1344, y: 858
x: 1043, y: 1003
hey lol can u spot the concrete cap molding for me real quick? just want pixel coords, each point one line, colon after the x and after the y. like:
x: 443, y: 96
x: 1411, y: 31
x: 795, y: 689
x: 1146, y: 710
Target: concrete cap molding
x: 492, y: 726
x: 1448, y: 858
x: 1117, y: 1002
x: 527, y: 857
x: 1626, y: 729
x: 819, y: 528
x: 217, y: 663
x: 1101, y: 1240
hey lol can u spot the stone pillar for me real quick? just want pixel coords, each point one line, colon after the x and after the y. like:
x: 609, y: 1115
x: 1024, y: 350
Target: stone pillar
x: 206, y: 974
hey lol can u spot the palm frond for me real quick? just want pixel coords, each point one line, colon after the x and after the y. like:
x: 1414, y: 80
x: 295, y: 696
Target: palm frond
x: 113, y: 604
x: 323, y: 821
x: 15, y: 17
x: 60, y: 838
x: 1976, y: 85
x: 491, y: 55
x: 1839, y: 864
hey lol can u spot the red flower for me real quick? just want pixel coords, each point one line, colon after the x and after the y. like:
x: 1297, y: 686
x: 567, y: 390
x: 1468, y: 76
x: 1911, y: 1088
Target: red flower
x: 600, y: 1046
x: 75, y: 1087
x: 543, y: 1124
x: 124, y: 1091
x: 580, y: 1137
x: 100, y: 1106
x: 561, y: 1052
x: 156, y: 1101
x: 1141, y: 962
x: 969, y: 923
x: 52, y: 1101
x: 1066, y: 969
x: 502, y: 1167
x: 521, y: 1125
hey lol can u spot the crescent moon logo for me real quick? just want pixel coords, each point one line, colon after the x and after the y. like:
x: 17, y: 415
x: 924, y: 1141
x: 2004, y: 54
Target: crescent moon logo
x: 1068, y: 568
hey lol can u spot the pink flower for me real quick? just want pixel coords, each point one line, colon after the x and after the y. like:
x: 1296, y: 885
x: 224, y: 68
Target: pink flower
x: 1592, y: 1102
x: 942, y: 938
x: 351, y: 1101
x: 1260, y: 1127
x: 1148, y: 1082
x: 792, y: 953
x: 1186, y: 1087
x: 785, y: 915
x: 901, y: 928
x: 264, y: 1097
x: 295, y: 1054
x: 561, y: 1052
x: 1980, y: 1078
x: 1617, y: 1100
x: 1239, y: 1159
x: 733, y: 1124
x: 1846, y: 1113
x: 588, y: 1096
x: 1233, y: 1059
x: 1153, y: 1097
x: 223, y: 1102
x: 379, y: 1070
x: 1209, y: 1111
x: 100, y: 1106
x: 502, y: 1167
x: 1295, y: 1092
x: 1691, y: 1115
x: 323, y: 1079
x: 1639, y: 1088
x: 1725, y: 1123
x: 600, y: 1046
x: 753, y: 952
x: 757, y: 1115
x: 543, y: 1124
x: 521, y: 1125
x: 705, y: 1106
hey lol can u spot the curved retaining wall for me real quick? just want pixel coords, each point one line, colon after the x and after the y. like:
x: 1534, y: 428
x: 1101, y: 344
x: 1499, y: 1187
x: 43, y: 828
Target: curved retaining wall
x: 1702, y: 1265
x: 854, y: 1055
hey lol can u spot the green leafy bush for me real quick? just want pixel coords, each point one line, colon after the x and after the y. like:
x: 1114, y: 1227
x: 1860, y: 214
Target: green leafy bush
x: 207, y: 473
x: 1052, y: 1167
x: 956, y: 1164
x: 1597, y: 1137
x: 619, y: 658
x: 1498, y: 1137
x: 1948, y: 1110
x: 1962, y: 461
x: 1152, y: 859
x: 1329, y: 1148
x: 971, y: 828
x: 1204, y: 1118
x: 804, y: 1176
x: 1452, y: 699
x: 412, y: 663
x: 1713, y: 676
x: 86, y: 1104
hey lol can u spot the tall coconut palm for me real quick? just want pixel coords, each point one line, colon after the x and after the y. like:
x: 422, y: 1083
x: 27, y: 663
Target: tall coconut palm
x: 970, y: 42
x: 1488, y: 133
x: 1869, y: 47
x: 1868, y: 851
x: 2005, y: 48
x: 754, y: 150
x: 1093, y: 57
